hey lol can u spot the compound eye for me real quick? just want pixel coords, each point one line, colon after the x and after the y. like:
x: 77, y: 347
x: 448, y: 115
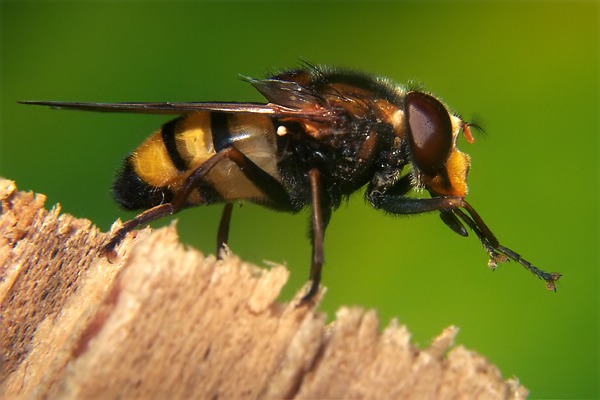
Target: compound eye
x: 429, y: 131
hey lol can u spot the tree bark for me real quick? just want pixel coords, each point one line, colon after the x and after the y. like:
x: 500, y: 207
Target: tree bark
x: 163, y: 321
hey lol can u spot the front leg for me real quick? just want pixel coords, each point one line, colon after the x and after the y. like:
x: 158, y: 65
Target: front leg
x: 391, y: 199
x: 407, y: 205
x: 451, y: 209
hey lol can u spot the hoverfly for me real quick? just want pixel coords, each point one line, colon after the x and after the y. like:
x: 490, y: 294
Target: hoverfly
x: 324, y: 134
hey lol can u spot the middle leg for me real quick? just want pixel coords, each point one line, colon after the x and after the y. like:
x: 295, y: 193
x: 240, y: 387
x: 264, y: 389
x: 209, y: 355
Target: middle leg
x: 223, y: 233
x: 320, y: 216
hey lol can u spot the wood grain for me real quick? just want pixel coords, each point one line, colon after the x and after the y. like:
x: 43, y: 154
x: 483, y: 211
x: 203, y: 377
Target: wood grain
x: 165, y: 321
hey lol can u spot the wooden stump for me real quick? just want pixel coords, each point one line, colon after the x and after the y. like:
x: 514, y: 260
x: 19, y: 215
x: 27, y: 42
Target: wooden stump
x: 163, y: 321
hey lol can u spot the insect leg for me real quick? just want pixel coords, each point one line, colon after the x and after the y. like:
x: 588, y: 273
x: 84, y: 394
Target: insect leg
x: 393, y: 200
x: 273, y: 190
x: 407, y: 205
x: 141, y: 219
x: 174, y: 206
x: 162, y: 210
x: 223, y: 234
x: 499, y: 253
x: 265, y: 182
x: 451, y: 206
x: 449, y: 218
x: 319, y: 219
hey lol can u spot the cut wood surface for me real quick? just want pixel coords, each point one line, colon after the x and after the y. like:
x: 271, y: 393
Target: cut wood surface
x: 164, y: 321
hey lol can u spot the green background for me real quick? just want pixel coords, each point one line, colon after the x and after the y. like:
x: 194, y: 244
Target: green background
x: 527, y: 72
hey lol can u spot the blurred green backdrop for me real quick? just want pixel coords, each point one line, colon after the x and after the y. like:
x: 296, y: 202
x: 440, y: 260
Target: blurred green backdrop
x: 528, y: 72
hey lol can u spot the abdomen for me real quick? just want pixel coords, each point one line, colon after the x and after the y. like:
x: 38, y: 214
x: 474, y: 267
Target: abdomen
x: 157, y: 169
